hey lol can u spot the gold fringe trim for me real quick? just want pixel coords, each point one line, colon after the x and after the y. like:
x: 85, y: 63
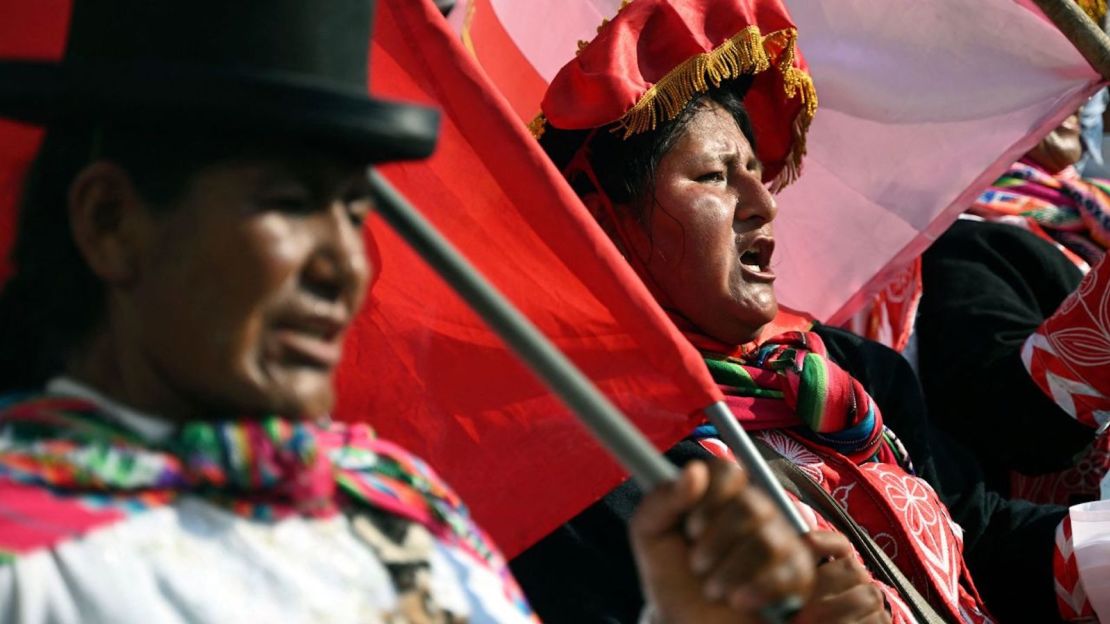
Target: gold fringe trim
x: 582, y: 43
x: 468, y: 20
x: 538, y: 126
x: 1095, y: 8
x: 797, y: 83
x: 743, y: 53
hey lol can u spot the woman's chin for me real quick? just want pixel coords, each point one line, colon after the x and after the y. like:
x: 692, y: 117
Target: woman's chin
x: 751, y: 325
x: 751, y: 335
x: 739, y: 333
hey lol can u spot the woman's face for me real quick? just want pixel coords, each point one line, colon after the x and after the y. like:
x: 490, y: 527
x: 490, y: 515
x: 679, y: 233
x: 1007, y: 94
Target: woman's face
x: 246, y: 285
x: 1061, y: 148
x: 705, y: 243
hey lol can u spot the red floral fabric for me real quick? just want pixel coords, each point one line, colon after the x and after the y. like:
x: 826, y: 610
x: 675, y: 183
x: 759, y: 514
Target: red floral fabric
x: 1069, y: 358
x: 904, y: 517
x: 1069, y: 354
x: 900, y: 512
x: 900, y: 613
x: 888, y: 317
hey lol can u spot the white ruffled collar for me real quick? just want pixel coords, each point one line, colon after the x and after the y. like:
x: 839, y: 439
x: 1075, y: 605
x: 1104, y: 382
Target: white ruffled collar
x: 150, y: 427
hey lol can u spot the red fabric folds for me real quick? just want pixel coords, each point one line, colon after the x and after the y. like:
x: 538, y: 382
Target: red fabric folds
x: 428, y: 374
x: 28, y: 30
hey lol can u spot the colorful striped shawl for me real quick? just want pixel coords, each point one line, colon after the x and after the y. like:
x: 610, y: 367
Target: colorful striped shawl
x: 789, y: 382
x: 60, y: 453
x: 1064, y: 208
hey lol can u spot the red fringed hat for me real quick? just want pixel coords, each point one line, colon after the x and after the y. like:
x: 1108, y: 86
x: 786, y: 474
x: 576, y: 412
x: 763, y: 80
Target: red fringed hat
x: 654, y: 56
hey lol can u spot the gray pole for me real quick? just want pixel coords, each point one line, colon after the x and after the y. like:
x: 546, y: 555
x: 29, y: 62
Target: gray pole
x: 742, y: 447
x: 608, y: 426
x: 594, y: 410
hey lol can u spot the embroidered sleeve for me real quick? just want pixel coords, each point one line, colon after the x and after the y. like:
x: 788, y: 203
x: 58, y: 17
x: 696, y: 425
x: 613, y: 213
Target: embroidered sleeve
x: 1071, y: 597
x: 1069, y: 354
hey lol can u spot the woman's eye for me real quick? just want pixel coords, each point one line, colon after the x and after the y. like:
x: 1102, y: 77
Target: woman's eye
x: 291, y: 204
x: 712, y: 176
x: 359, y: 210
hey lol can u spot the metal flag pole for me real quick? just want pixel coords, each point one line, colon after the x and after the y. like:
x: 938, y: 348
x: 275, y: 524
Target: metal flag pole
x: 742, y: 447
x: 607, y: 424
x: 562, y: 377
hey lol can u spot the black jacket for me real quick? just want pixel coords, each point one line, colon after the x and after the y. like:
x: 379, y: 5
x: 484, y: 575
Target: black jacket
x: 584, y: 571
x: 987, y: 287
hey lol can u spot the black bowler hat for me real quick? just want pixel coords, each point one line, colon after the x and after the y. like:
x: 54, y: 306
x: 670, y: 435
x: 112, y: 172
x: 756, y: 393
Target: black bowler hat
x: 285, y: 68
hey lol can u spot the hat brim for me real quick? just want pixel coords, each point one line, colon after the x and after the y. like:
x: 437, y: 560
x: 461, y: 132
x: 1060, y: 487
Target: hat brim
x: 272, y: 104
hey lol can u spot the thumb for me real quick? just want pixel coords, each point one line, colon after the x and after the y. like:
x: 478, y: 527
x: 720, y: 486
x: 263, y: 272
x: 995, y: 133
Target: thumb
x: 664, y: 508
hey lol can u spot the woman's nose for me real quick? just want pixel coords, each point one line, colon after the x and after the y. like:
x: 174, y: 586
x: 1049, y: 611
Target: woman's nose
x: 755, y: 200
x: 338, y: 268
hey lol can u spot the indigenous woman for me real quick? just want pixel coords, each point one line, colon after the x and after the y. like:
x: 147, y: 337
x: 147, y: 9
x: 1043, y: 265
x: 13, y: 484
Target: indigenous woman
x: 675, y: 125
x: 189, y: 257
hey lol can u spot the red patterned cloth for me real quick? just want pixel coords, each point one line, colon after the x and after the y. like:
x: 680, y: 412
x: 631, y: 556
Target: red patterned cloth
x: 1071, y: 597
x: 654, y: 56
x: 899, y: 511
x: 888, y: 318
x: 1069, y: 355
x: 904, y: 517
x: 900, y: 613
x: 1078, y: 484
x: 1069, y: 359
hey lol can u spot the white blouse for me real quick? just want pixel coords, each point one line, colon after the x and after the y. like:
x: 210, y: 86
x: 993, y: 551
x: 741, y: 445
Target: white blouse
x: 195, y: 562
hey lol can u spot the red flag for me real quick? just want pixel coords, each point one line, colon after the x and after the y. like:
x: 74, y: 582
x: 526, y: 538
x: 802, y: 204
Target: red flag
x: 420, y: 366
x: 426, y: 371
x: 28, y: 30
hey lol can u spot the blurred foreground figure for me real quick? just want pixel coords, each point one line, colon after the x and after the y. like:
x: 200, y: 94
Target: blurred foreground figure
x: 190, y: 254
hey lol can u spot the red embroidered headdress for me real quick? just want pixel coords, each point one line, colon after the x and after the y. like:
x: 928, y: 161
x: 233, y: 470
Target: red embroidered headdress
x: 654, y: 56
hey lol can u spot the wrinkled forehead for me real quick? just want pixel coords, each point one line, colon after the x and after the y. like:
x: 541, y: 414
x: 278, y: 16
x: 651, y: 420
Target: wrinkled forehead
x: 713, y: 131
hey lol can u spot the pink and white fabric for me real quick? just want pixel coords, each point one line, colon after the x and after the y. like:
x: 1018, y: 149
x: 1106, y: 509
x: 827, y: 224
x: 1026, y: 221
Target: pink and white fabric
x: 1090, y: 534
x: 922, y: 105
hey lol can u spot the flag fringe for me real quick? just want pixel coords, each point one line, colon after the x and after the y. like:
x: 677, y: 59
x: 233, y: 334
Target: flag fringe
x: 538, y: 126
x: 1094, y: 8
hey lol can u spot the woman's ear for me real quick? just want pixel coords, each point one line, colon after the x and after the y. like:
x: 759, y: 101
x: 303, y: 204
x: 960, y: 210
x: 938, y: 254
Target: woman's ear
x: 107, y: 220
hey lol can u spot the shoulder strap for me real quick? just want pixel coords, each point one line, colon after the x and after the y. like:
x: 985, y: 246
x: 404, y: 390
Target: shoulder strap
x: 878, y: 563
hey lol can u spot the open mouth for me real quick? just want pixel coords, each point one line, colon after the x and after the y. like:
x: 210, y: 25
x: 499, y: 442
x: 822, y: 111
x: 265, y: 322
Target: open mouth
x: 756, y: 259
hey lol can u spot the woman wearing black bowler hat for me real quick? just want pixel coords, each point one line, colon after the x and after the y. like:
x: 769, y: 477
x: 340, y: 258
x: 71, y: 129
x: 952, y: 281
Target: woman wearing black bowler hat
x: 188, y: 259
